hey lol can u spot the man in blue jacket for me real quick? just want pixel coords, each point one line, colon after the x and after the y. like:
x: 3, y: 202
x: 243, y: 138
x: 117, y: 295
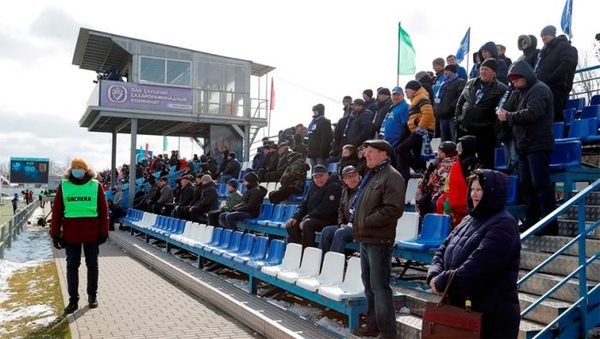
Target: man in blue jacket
x: 394, y: 124
x: 530, y: 112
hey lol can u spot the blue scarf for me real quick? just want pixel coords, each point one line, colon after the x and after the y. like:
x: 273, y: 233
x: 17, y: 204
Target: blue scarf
x: 445, y: 85
x: 313, y: 124
x: 370, y: 173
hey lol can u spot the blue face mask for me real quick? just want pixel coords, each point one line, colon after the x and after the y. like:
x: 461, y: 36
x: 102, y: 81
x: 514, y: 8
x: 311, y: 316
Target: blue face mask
x: 78, y: 173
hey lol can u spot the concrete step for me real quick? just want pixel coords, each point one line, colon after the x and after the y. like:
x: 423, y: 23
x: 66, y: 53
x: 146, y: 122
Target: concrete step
x: 545, y: 312
x: 551, y: 244
x: 540, y: 283
x: 563, y: 265
x: 569, y: 228
x: 592, y: 213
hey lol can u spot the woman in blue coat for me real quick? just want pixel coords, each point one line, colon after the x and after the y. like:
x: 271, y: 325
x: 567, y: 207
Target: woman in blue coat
x: 483, y: 251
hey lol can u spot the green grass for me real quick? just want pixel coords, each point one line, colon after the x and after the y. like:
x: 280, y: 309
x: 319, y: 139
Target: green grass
x: 37, y: 285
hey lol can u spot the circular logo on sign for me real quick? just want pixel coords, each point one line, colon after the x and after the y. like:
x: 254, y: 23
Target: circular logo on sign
x: 117, y: 93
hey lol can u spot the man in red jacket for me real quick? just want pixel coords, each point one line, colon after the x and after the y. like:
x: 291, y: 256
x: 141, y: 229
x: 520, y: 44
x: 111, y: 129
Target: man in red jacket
x: 80, y: 217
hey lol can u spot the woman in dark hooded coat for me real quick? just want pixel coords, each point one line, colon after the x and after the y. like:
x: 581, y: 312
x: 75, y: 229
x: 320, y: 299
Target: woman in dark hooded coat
x: 483, y: 252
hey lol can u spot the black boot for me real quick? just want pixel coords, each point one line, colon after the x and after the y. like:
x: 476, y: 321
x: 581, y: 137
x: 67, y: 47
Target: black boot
x: 93, y: 302
x: 71, y: 307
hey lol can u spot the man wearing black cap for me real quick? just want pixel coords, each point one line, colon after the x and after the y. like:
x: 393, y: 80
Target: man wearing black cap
x: 384, y: 102
x: 476, y: 110
x: 445, y: 102
x: 374, y: 213
x: 164, y: 204
x: 359, y: 125
x: 209, y: 200
x: 249, y: 207
x: 185, y: 197
x: 232, y: 169
x: 556, y: 66
x: 529, y: 111
x: 370, y: 103
x: 317, y: 210
x: 319, y: 137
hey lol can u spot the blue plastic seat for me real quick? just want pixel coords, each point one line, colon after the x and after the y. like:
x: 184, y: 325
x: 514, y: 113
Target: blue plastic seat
x: 274, y: 256
x: 233, y: 245
x: 333, y: 167
x: 585, y: 129
x: 513, y: 190
x: 244, y: 249
x: 577, y: 103
x: 222, y: 190
x: 278, y: 214
x: 242, y: 188
x: 216, y: 237
x: 558, y: 129
x: 595, y: 100
x: 436, y: 228
x: 569, y: 114
x: 300, y: 197
x: 223, y: 242
x: 290, y: 210
x: 566, y: 154
x: 592, y: 111
x: 266, y: 211
x: 259, y: 250
x: 499, y: 159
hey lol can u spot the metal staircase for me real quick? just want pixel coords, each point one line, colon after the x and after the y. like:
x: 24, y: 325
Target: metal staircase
x: 559, y: 289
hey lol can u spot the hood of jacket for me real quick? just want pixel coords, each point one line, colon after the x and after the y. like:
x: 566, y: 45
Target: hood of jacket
x: 495, y: 191
x: 490, y: 46
x: 527, y: 42
x: 523, y: 69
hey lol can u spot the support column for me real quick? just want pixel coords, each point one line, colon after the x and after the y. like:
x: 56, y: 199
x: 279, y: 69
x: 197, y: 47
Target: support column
x: 132, y: 164
x: 113, y: 161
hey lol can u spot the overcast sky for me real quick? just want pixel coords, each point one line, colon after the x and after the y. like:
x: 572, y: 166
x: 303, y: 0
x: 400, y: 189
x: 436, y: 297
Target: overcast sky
x: 332, y: 48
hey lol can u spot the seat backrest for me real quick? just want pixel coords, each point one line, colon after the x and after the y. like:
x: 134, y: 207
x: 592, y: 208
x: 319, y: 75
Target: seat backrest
x: 332, y: 271
x: 583, y: 128
x: 411, y: 191
x: 197, y: 232
x: 352, y: 280
x: 332, y: 167
x: 266, y: 211
x: 259, y: 249
x: 216, y: 236
x: 576, y: 103
x: 513, y: 190
x: 435, y: 227
x: 595, y: 100
x: 222, y: 189
x: 151, y: 219
x: 271, y: 186
x: 247, y: 243
x: 187, y: 229
x: 278, y: 212
x: 180, y: 225
x: 558, y: 129
x: 311, y: 261
x: 225, y: 238
x: 569, y: 114
x: 292, y: 257
x: 290, y: 210
x: 207, y: 235
x: 567, y: 153
x: 499, y: 159
x: 235, y: 242
x: 407, y: 227
x: 275, y: 254
x: 592, y: 111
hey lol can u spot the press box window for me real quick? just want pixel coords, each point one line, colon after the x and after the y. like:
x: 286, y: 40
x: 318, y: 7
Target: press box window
x: 165, y: 71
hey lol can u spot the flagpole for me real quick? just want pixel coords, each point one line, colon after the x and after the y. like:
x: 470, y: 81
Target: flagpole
x: 398, y: 59
x: 469, y: 55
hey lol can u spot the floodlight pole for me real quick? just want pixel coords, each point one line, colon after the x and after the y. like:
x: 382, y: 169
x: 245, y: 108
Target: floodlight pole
x: 132, y: 163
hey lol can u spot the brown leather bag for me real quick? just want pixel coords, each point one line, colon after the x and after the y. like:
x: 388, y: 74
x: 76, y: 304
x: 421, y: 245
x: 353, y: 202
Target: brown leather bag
x: 446, y: 321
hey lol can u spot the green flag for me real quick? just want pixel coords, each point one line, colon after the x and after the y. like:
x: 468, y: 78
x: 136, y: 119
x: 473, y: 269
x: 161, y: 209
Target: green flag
x: 406, y: 53
x: 165, y: 143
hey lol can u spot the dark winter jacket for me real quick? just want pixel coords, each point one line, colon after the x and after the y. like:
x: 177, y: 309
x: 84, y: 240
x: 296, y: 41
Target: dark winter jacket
x: 79, y: 230
x: 186, y: 196
x: 233, y: 168
x: 299, y: 145
x: 338, y: 136
x: 502, y: 72
x: 382, y: 111
x: 345, y: 200
x: 483, y: 251
x: 295, y: 174
x: 446, y: 108
x: 471, y: 117
x: 283, y: 163
x: 271, y: 161
x: 252, y: 200
x: 528, y: 44
x: 319, y: 140
x: 371, y: 105
x: 210, y: 198
x: 427, y: 83
x: 321, y: 202
x: 558, y: 61
x: 531, y: 113
x: 360, y: 127
x: 379, y: 206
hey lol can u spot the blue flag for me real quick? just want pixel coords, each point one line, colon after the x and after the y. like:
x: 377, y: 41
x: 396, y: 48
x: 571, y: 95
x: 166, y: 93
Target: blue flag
x: 463, y: 50
x: 566, y: 19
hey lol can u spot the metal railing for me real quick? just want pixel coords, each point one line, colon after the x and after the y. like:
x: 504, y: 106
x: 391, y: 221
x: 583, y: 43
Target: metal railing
x: 582, y: 303
x: 586, y: 83
x: 13, y: 227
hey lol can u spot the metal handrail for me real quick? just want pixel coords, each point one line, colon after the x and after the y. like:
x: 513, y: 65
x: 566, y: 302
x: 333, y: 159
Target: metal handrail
x: 579, y: 201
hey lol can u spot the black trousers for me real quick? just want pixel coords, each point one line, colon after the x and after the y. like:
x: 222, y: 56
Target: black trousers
x: 282, y: 194
x: 409, y: 155
x: 306, y: 236
x: 73, y: 252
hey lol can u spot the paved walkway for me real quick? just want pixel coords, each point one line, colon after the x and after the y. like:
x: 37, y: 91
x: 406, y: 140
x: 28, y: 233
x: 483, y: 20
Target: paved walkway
x: 135, y: 303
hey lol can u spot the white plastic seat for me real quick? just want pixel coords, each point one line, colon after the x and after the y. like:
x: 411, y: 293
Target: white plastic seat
x: 411, y: 191
x: 271, y: 186
x: 290, y: 262
x: 277, y: 185
x: 186, y: 231
x: 188, y: 236
x: 352, y: 287
x: 141, y: 222
x: 407, y: 228
x: 203, y: 236
x: 150, y: 221
x: 197, y: 232
x: 332, y: 273
x: 311, y: 263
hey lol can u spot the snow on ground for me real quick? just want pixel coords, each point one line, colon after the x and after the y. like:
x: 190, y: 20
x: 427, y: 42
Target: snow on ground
x: 31, y: 248
x: 334, y: 326
x: 243, y: 284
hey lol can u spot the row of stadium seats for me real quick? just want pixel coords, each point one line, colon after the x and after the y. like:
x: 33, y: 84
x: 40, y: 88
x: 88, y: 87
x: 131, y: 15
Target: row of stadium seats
x: 566, y: 154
